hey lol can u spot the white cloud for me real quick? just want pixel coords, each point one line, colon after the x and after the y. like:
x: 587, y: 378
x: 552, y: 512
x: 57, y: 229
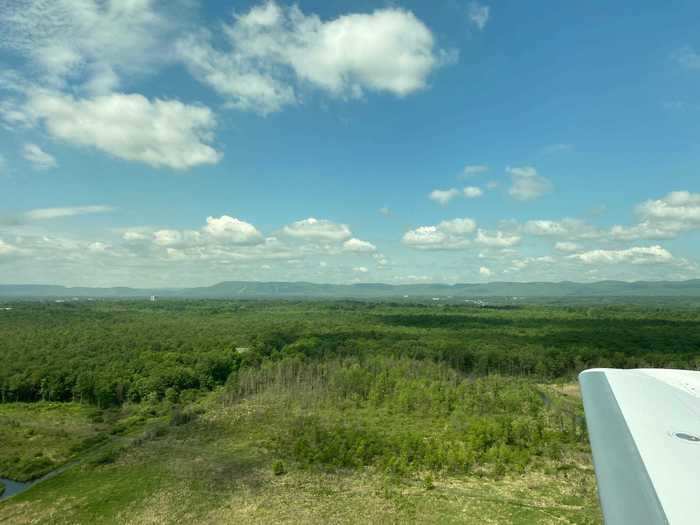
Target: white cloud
x: 462, y: 226
x: 442, y: 197
x: 425, y: 237
x: 273, y: 49
x: 679, y: 206
x: 647, y: 230
x: 568, y: 228
x: 565, y: 246
x: 663, y: 218
x: 132, y: 235
x: 381, y: 259
x: 448, y: 235
x: 360, y: 269
x: 98, y: 247
x: 90, y: 40
x: 38, y: 157
x: 7, y: 249
x: 167, y: 237
x: 471, y: 170
x: 472, y: 192
x: 243, y: 85
x: 635, y: 255
x: 497, y: 239
x: 56, y: 213
x: 478, y: 14
x: 385, y: 211
x: 13, y: 115
x: 358, y: 246
x: 131, y: 127
x: 527, y: 184
x: 485, y: 272
x: 317, y: 230
x: 232, y: 230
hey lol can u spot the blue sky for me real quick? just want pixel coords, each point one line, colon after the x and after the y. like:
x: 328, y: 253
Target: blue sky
x: 182, y: 143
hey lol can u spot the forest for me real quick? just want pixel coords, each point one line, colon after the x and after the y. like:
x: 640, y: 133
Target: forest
x: 445, y: 402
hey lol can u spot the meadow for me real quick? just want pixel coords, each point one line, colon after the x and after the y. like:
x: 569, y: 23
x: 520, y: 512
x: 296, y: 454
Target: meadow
x: 283, y: 411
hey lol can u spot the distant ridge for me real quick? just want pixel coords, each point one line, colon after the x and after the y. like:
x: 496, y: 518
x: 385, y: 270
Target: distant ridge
x: 254, y: 289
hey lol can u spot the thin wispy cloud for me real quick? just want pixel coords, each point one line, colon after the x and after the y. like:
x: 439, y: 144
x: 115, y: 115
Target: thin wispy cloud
x: 42, y: 214
x: 478, y: 15
x: 687, y: 58
x: 38, y: 158
x: 527, y: 184
x: 472, y: 170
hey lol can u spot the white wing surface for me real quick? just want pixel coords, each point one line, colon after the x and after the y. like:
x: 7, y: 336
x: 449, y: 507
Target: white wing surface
x: 644, y: 428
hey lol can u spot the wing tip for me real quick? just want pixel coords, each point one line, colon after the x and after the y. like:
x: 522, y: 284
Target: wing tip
x: 591, y: 371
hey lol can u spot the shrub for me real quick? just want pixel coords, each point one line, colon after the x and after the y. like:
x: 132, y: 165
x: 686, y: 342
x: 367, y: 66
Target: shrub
x: 278, y: 468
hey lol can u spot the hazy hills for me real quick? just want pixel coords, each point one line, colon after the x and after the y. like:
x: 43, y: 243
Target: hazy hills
x: 246, y: 289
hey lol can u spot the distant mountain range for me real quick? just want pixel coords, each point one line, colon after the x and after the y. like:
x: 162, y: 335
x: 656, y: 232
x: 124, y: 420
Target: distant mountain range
x: 298, y: 290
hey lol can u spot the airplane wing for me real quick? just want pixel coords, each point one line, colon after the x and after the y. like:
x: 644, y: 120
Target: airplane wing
x: 644, y: 428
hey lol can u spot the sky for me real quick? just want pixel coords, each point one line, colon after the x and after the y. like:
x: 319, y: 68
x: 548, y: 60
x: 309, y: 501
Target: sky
x: 183, y: 143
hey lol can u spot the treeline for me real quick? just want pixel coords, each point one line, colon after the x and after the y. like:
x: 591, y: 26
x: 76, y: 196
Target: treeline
x: 108, y: 353
x: 403, y: 415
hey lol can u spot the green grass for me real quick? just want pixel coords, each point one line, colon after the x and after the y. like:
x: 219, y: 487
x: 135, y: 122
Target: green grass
x: 38, y: 437
x: 219, y: 467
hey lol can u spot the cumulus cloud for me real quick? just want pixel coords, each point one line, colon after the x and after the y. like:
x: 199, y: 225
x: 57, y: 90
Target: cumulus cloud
x: 526, y: 184
x: 677, y: 206
x: 167, y: 237
x: 227, y: 239
x: 272, y: 50
x: 230, y: 229
x: 443, y: 197
x: 448, y: 235
x: 38, y: 157
x: 485, y: 272
x: 463, y: 226
x: 472, y: 192
x: 478, y: 14
x: 131, y: 127
x: 635, y: 255
x: 358, y: 246
x: 360, y: 269
x: 497, y: 239
x: 57, y: 213
x: 317, y: 230
x: 663, y: 218
x: 425, y: 237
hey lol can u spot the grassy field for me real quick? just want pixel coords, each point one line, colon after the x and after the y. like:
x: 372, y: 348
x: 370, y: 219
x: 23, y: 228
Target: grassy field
x: 218, y: 467
x: 38, y: 437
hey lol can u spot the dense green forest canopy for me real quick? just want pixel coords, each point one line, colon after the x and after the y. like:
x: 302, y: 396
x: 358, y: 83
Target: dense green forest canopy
x: 110, y: 352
